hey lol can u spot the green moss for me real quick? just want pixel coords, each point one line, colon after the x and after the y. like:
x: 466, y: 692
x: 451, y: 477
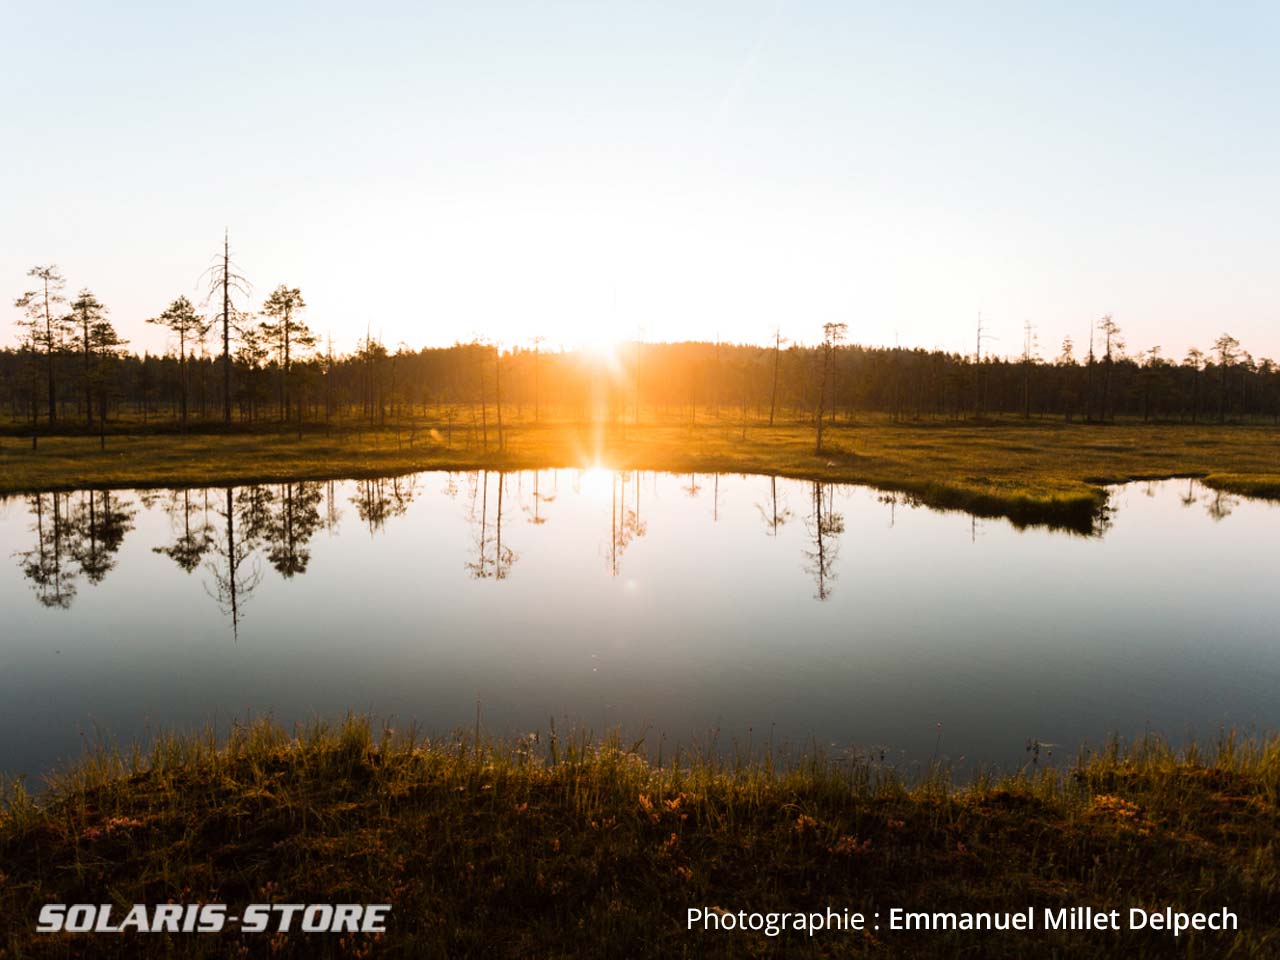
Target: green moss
x: 1259, y: 485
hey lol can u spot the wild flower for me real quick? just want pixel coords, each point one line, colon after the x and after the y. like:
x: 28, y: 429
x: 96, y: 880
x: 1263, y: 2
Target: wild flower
x: 1127, y: 815
x: 848, y: 846
x: 647, y: 806
x: 1117, y: 806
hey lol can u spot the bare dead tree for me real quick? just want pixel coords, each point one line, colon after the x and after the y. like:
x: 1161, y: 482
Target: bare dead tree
x: 537, y: 344
x: 497, y: 397
x: 832, y: 334
x: 1112, y: 344
x: 773, y: 393
x: 225, y: 280
x: 977, y: 367
x: 1028, y: 359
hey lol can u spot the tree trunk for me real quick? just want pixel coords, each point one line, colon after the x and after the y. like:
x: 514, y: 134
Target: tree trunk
x: 226, y: 332
x: 773, y: 394
x: 48, y: 332
x: 497, y: 390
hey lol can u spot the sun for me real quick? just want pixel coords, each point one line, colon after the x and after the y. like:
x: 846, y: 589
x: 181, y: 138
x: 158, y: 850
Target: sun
x: 602, y: 345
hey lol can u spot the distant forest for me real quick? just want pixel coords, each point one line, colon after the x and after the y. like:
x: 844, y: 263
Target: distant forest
x: 229, y: 365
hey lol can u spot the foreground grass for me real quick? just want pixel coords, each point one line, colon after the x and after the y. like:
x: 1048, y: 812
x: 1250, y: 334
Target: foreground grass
x: 1030, y: 472
x: 575, y: 849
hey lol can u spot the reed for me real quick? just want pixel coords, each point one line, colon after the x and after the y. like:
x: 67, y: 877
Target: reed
x: 567, y: 845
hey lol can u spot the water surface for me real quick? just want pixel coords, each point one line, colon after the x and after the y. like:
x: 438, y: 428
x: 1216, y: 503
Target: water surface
x: 694, y: 607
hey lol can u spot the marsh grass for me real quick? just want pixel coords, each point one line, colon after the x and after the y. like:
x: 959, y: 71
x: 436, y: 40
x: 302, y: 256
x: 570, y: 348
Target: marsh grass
x: 1035, y: 472
x: 569, y: 846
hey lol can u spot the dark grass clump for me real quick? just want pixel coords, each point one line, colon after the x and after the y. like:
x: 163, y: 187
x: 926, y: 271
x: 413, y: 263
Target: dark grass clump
x: 576, y: 848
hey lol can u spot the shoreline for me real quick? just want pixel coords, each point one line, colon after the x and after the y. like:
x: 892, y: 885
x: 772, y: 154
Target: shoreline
x: 1036, y: 473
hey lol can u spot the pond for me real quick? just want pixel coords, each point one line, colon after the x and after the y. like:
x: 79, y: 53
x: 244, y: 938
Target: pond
x: 718, y: 610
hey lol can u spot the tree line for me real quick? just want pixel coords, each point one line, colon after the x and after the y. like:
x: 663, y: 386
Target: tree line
x: 231, y: 365
x: 224, y: 532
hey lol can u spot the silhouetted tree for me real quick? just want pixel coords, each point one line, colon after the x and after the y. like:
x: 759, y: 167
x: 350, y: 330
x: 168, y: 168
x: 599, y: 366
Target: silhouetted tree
x: 1066, y: 364
x: 1028, y: 361
x: 225, y: 280
x: 181, y: 319
x: 1112, y: 344
x: 47, y: 329
x: 103, y: 349
x: 1227, y: 348
x: 461, y: 380
x: 773, y: 392
x: 497, y: 391
x: 86, y: 314
x: 832, y: 334
x: 537, y: 382
x: 287, y: 334
x: 252, y: 354
x: 1195, y: 363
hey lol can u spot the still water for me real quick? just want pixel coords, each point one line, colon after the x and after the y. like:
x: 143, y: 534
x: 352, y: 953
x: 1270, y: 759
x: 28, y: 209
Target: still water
x: 715, y: 609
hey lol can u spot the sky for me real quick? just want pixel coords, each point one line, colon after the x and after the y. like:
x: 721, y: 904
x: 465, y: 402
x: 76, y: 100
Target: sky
x: 592, y: 171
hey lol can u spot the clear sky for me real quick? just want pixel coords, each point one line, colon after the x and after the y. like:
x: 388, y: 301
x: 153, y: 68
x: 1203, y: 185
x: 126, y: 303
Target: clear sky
x: 675, y: 169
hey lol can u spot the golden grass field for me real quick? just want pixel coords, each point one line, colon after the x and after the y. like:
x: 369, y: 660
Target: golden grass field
x: 1036, y: 471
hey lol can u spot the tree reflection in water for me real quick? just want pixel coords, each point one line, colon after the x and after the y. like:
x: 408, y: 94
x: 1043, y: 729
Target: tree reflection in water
x: 76, y: 534
x: 192, y: 540
x: 229, y: 532
x: 625, y: 524
x: 493, y: 559
x: 380, y: 500
x: 233, y: 577
x: 824, y: 526
x: 774, y: 514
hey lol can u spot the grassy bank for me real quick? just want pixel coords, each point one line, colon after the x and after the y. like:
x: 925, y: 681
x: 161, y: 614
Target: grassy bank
x: 1030, y: 472
x: 563, y: 848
